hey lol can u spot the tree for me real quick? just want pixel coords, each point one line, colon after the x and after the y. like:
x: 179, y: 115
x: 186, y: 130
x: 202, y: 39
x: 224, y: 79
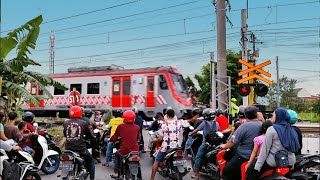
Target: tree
x: 316, y: 105
x: 13, y: 72
x: 204, y: 79
x: 288, y: 96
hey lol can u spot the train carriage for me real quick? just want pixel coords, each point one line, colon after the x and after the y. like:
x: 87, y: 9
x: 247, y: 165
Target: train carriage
x: 101, y: 88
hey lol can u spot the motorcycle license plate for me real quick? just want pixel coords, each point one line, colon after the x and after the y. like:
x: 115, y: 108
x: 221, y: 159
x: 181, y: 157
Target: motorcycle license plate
x: 67, y: 166
x: 179, y: 162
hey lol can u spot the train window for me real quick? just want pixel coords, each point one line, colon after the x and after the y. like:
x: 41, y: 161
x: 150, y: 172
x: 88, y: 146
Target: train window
x: 77, y: 86
x: 163, y: 82
x: 57, y: 91
x: 93, y: 88
x: 33, y: 89
x: 126, y: 87
x: 150, y: 84
x: 116, y: 87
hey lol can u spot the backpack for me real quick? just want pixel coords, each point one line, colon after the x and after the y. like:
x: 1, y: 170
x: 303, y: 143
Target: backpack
x: 211, y: 137
x: 281, y: 158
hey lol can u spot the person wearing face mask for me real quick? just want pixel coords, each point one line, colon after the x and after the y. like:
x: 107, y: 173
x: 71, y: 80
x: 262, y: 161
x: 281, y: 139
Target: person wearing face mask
x: 281, y: 137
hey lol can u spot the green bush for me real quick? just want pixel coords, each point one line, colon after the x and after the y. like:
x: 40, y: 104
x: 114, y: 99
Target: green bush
x: 312, y: 117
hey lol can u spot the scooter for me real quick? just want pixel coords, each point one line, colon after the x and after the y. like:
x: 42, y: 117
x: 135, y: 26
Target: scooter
x: 17, y: 165
x: 50, y: 141
x: 173, y: 166
x: 47, y: 160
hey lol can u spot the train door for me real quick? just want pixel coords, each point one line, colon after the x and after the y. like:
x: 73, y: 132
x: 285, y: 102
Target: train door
x: 121, y: 92
x: 150, y: 99
x: 36, y: 91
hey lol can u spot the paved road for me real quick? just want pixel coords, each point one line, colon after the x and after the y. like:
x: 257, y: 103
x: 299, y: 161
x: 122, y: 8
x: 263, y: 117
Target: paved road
x: 103, y: 173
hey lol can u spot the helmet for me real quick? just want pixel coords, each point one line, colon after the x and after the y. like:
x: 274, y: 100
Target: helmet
x: 208, y: 114
x: 129, y: 116
x: 135, y: 110
x: 233, y: 99
x: 75, y: 112
x: 28, y: 116
x: 293, y: 116
x: 118, y: 113
x: 241, y: 111
x: 87, y: 112
x: 196, y: 111
x: 219, y: 111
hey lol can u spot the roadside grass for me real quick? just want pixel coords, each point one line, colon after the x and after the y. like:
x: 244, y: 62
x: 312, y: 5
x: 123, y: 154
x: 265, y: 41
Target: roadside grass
x: 57, y: 133
x: 312, y: 117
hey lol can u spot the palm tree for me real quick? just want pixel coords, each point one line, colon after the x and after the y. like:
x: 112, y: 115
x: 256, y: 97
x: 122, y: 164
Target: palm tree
x: 13, y: 72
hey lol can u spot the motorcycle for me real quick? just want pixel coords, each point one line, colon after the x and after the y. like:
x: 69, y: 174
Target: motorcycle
x: 50, y: 141
x: 210, y: 162
x: 174, y: 167
x: 46, y: 160
x: 72, y: 166
x: 130, y: 167
x: 22, y: 161
x: 104, y: 139
x: 306, y: 165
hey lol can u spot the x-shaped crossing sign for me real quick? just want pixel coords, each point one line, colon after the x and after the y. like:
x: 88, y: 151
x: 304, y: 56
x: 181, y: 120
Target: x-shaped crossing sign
x: 252, y: 68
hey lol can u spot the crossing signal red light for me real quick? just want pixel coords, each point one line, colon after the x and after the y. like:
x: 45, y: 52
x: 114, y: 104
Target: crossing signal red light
x: 244, y: 89
x: 261, y: 90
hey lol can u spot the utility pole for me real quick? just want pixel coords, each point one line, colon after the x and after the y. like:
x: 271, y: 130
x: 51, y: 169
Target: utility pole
x: 213, y: 83
x: 278, y: 83
x: 221, y: 50
x: 244, y: 46
x: 51, y: 57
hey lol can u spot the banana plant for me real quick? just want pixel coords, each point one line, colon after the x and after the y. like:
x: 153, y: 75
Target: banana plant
x: 13, y: 72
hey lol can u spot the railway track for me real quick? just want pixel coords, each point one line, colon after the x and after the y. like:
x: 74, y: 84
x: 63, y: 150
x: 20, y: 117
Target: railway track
x: 310, y: 130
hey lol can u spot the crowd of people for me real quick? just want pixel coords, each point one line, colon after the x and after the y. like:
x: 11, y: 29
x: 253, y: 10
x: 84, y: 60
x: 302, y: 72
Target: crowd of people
x: 256, y: 142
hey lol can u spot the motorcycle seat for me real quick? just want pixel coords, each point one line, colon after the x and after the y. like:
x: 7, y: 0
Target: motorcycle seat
x: 72, y: 152
x: 173, y: 149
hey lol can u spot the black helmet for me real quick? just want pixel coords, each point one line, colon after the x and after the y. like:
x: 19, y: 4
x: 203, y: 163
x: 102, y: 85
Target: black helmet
x: 196, y: 111
x: 87, y: 112
x: 219, y: 112
x: 28, y: 116
x: 118, y: 113
x: 208, y: 114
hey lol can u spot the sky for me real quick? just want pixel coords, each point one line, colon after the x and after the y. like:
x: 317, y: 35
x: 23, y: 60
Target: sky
x: 179, y: 33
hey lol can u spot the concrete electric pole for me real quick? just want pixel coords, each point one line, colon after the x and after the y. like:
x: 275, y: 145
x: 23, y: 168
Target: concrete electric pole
x: 278, y: 83
x: 244, y: 46
x: 221, y: 50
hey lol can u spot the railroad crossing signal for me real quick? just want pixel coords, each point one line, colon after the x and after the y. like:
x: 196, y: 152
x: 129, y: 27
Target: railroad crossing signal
x: 256, y: 69
x: 254, y: 72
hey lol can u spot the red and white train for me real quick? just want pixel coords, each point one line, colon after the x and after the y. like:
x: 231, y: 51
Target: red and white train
x: 101, y: 88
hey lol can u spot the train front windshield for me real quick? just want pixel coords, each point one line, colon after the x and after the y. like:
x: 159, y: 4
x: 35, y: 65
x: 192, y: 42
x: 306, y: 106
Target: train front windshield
x: 180, y: 85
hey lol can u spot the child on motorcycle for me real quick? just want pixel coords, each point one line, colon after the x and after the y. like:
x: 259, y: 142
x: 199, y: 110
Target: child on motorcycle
x: 258, y: 141
x: 25, y: 143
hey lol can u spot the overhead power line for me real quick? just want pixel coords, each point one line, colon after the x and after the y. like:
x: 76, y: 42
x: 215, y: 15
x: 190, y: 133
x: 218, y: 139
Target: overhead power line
x: 127, y: 16
x: 90, y: 12
x: 129, y: 40
x: 302, y: 70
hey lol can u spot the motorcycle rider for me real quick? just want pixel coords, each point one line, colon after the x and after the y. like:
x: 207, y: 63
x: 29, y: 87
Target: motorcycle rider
x: 76, y: 131
x: 8, y: 147
x: 222, y: 120
x: 113, y: 124
x: 129, y: 134
x: 243, y: 138
x: 27, y: 118
x: 171, y: 128
x: 139, y: 122
x: 155, y: 126
x: 293, y: 119
x: 207, y: 126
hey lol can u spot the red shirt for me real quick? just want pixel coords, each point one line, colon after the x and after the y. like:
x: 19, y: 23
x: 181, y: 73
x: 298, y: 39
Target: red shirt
x: 29, y: 126
x: 223, y: 122
x: 129, y: 134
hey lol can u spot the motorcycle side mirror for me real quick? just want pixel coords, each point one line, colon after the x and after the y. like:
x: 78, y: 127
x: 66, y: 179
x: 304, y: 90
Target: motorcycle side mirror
x: 191, y: 128
x: 107, y: 126
x: 151, y: 132
x: 35, y: 124
x: 153, y: 119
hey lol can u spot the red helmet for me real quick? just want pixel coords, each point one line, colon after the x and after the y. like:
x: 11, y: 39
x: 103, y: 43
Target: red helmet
x: 75, y: 112
x: 128, y: 116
